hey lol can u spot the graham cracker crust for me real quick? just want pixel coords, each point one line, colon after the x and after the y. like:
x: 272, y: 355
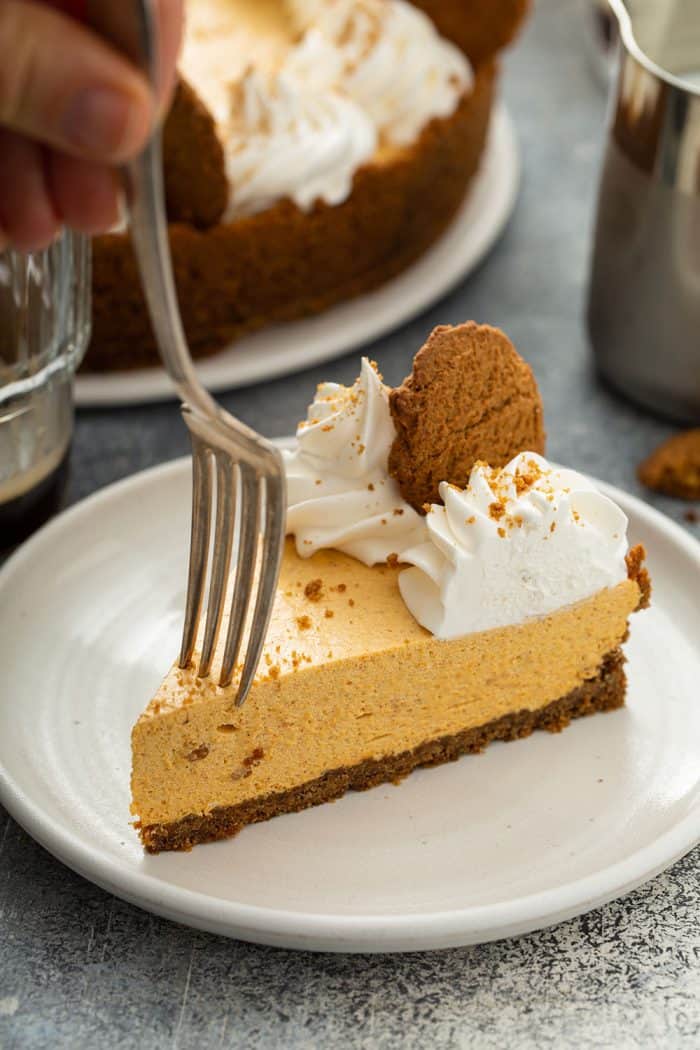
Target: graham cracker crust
x: 605, y: 692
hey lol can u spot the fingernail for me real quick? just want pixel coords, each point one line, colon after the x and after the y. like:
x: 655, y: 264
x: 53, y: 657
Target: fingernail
x: 101, y: 122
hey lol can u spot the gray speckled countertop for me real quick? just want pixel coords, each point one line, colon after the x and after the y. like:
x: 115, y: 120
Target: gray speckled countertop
x: 79, y: 968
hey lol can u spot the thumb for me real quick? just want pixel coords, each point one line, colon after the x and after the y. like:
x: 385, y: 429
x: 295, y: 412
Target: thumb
x: 63, y: 86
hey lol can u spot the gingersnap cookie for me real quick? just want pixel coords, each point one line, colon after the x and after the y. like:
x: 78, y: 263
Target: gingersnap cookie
x: 674, y: 467
x: 470, y: 397
x: 196, y: 184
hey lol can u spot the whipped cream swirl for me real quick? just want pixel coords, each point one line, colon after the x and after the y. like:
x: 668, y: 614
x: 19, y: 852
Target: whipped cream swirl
x: 364, y: 74
x: 387, y: 56
x: 285, y: 140
x: 516, y: 543
x: 340, y: 494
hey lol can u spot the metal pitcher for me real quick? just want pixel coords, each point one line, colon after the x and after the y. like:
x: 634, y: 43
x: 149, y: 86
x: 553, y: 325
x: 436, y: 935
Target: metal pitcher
x: 644, y: 295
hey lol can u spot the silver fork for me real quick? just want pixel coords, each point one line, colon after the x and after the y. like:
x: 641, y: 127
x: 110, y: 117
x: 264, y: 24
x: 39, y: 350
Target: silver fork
x: 249, y: 471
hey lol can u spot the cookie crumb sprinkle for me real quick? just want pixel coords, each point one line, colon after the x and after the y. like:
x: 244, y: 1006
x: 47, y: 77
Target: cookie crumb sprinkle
x: 313, y: 590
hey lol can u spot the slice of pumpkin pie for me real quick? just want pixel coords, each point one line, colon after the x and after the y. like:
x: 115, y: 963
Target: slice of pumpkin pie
x: 403, y: 635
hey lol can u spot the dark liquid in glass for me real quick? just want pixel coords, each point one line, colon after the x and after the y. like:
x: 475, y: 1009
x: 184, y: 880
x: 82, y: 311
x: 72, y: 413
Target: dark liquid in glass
x: 21, y: 516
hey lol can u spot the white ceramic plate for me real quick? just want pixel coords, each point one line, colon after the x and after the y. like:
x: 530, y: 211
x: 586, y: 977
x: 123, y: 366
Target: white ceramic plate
x: 523, y: 836
x: 300, y: 344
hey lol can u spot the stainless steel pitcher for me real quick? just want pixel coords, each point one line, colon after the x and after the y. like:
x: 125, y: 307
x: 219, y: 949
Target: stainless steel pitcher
x: 644, y: 294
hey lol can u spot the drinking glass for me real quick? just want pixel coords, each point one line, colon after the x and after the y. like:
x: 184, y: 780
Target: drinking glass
x: 44, y: 330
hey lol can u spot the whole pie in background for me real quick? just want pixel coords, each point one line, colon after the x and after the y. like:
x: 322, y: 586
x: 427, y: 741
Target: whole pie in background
x: 314, y: 149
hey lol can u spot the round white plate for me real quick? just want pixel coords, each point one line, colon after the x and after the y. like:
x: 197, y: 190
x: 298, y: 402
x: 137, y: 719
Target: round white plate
x: 300, y: 344
x: 523, y: 836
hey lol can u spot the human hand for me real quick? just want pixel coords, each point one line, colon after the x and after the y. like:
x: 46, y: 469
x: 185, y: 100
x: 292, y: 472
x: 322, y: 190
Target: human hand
x: 71, y: 110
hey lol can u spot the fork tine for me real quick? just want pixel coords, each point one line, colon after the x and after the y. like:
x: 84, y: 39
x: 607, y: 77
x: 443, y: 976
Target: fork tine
x: 199, y: 546
x: 221, y: 559
x: 273, y: 543
x: 249, y: 523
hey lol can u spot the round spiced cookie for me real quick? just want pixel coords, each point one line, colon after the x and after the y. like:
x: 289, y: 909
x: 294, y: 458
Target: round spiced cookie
x: 469, y: 398
x: 674, y: 467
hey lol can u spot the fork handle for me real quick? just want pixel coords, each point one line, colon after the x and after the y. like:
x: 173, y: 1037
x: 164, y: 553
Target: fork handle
x: 130, y: 26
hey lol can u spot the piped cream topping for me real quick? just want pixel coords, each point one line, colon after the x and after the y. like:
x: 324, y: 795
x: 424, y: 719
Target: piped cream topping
x: 361, y: 74
x: 519, y: 542
x: 286, y: 140
x: 340, y: 494
x: 388, y: 57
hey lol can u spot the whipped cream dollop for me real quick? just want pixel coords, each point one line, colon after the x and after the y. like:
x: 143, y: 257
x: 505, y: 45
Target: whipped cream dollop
x: 362, y: 74
x: 284, y: 139
x: 518, y: 542
x: 387, y: 56
x: 339, y: 491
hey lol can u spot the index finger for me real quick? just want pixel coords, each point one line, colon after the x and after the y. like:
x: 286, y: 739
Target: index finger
x: 168, y: 15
